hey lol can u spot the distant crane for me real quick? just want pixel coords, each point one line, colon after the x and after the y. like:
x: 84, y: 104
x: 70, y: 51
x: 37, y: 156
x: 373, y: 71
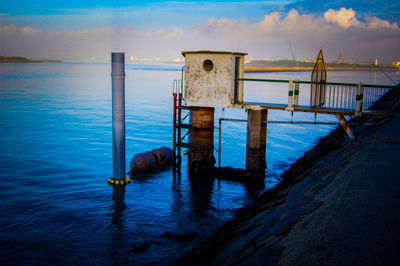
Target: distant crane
x: 291, y: 51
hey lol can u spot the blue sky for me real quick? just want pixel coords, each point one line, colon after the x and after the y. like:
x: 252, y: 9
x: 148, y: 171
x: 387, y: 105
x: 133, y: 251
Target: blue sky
x: 73, y: 14
x: 89, y: 30
x: 64, y: 15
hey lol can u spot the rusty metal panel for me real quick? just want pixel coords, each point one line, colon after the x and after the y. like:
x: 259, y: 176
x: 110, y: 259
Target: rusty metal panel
x: 210, y: 78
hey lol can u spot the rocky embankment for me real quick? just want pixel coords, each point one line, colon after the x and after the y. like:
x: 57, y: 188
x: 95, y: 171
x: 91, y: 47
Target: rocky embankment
x: 338, y: 204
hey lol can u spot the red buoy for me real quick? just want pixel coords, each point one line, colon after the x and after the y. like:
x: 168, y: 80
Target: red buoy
x: 151, y: 160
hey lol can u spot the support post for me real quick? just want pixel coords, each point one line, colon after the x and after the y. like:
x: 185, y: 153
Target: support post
x: 359, y: 98
x: 263, y: 138
x: 345, y: 125
x: 256, y: 142
x: 201, y: 156
x: 118, y: 114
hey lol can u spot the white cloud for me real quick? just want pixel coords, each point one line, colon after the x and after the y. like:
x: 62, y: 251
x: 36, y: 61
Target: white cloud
x: 343, y: 17
x: 337, y: 30
x: 346, y: 18
x: 8, y: 30
x: 294, y: 22
x: 374, y: 23
x: 269, y: 22
x: 30, y: 31
x: 175, y: 32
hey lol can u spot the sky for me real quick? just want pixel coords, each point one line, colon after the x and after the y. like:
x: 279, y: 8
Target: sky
x: 81, y: 30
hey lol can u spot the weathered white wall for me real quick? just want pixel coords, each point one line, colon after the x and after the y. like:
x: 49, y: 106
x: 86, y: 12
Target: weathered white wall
x: 213, y: 88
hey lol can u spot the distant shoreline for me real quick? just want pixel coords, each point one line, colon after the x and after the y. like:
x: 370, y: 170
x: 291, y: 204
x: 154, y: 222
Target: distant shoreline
x: 21, y: 59
x: 248, y: 69
x: 31, y: 61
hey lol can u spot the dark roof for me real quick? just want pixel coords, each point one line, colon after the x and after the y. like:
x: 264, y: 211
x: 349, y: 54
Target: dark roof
x: 212, y: 52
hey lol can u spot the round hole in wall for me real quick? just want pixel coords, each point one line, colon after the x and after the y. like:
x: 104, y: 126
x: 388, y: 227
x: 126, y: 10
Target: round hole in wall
x: 208, y: 65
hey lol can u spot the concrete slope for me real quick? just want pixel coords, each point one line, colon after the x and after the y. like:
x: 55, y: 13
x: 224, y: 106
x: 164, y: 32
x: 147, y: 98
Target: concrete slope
x: 339, y: 204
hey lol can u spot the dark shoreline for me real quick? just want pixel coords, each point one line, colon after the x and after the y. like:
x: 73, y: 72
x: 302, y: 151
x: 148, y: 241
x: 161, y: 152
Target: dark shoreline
x: 238, y: 241
x: 30, y: 61
x: 21, y: 59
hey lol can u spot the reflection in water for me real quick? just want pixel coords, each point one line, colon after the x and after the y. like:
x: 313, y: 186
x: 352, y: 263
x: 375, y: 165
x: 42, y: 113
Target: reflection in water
x: 117, y: 224
x: 118, y: 208
x: 201, y: 187
x: 178, y: 199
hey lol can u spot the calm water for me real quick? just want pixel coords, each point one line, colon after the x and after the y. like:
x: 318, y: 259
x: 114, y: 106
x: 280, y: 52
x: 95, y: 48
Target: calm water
x: 55, y: 159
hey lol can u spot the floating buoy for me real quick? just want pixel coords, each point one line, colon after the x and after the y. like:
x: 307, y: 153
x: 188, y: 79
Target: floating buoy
x: 111, y: 181
x: 151, y: 160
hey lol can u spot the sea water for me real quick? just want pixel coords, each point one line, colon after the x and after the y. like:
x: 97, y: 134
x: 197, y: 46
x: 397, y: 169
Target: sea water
x: 56, y: 157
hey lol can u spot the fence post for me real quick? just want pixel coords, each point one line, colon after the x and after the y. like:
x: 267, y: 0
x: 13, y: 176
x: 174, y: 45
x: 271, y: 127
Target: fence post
x: 290, y: 94
x: 359, y: 98
x: 296, y: 92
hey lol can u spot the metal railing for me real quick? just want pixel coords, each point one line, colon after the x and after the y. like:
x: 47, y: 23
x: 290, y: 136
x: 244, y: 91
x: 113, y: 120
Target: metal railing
x: 351, y: 97
x: 372, y: 94
x: 340, y: 97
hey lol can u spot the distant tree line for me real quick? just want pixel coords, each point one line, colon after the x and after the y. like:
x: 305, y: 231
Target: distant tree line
x: 21, y: 59
x: 13, y: 58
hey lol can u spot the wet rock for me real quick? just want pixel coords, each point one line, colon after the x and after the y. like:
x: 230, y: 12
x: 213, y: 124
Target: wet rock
x: 187, y: 237
x: 142, y: 247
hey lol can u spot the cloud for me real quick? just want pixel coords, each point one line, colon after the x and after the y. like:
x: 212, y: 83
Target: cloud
x: 346, y: 18
x: 336, y: 31
x: 269, y: 22
x: 8, y: 30
x: 382, y: 8
x: 375, y: 23
x: 343, y: 17
x: 29, y: 30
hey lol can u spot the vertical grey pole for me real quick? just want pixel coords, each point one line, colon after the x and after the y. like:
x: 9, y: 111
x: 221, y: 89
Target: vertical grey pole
x: 118, y: 114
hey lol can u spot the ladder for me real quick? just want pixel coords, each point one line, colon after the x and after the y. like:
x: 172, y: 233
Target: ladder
x: 178, y: 125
